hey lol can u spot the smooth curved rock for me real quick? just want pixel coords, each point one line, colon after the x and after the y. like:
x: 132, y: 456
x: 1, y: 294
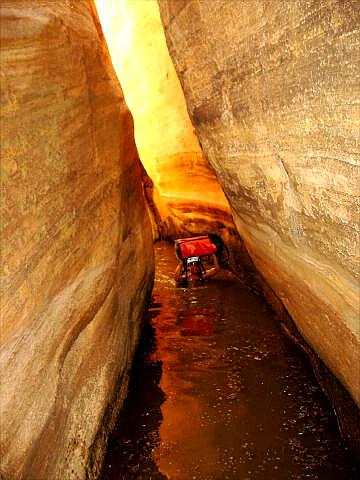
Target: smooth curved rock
x: 271, y: 88
x: 76, y: 241
x: 186, y: 195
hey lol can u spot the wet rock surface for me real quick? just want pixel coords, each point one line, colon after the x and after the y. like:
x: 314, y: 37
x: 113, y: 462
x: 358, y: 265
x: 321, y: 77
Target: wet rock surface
x: 218, y: 392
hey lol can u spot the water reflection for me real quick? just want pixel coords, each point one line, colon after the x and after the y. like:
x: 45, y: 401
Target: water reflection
x: 137, y: 433
x: 199, y: 322
x: 219, y: 393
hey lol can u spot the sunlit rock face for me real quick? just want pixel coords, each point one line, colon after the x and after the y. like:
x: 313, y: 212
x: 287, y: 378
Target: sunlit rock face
x: 272, y: 90
x: 186, y: 194
x: 76, y: 244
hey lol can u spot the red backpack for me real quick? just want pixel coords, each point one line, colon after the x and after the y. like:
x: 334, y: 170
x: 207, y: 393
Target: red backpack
x: 194, y: 247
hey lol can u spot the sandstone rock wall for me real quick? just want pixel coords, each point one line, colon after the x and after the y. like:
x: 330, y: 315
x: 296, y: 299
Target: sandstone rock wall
x: 186, y: 194
x: 273, y: 88
x: 76, y: 242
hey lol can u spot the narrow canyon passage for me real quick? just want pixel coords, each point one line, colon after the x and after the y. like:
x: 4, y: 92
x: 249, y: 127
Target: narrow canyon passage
x: 125, y: 122
x: 218, y: 392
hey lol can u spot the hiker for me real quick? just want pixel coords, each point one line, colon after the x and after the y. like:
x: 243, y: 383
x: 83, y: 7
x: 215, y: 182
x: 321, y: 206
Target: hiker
x: 198, y: 257
x: 197, y: 269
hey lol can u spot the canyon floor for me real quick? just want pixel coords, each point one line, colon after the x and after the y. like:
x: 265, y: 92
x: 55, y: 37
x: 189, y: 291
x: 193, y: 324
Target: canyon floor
x: 219, y: 392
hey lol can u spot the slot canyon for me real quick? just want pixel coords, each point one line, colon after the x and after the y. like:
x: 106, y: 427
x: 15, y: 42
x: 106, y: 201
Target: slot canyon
x: 125, y: 125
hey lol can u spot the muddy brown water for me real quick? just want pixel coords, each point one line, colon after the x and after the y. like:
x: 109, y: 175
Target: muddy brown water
x: 218, y: 392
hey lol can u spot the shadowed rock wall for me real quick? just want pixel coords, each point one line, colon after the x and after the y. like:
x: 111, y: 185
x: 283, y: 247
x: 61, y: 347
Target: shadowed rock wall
x: 76, y: 243
x: 273, y: 88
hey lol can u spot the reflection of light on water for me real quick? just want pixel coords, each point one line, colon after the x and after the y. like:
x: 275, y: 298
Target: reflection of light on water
x: 198, y: 321
x: 181, y: 430
x: 165, y: 279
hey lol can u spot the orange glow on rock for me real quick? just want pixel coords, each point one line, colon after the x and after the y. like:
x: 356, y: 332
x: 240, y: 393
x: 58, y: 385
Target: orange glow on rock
x: 186, y: 190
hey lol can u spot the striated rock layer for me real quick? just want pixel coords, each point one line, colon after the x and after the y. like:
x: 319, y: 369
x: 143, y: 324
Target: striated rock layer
x: 273, y: 88
x: 76, y: 242
x: 185, y: 193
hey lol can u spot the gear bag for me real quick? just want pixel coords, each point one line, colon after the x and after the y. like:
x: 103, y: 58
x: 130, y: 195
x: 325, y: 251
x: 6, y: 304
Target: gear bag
x: 194, y: 247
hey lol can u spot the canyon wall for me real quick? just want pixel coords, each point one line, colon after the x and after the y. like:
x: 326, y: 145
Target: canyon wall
x: 185, y: 195
x: 273, y: 91
x: 76, y: 242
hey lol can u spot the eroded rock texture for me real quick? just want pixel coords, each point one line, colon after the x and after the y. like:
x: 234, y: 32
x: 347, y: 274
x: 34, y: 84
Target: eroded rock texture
x: 272, y: 88
x: 185, y: 194
x: 76, y: 242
